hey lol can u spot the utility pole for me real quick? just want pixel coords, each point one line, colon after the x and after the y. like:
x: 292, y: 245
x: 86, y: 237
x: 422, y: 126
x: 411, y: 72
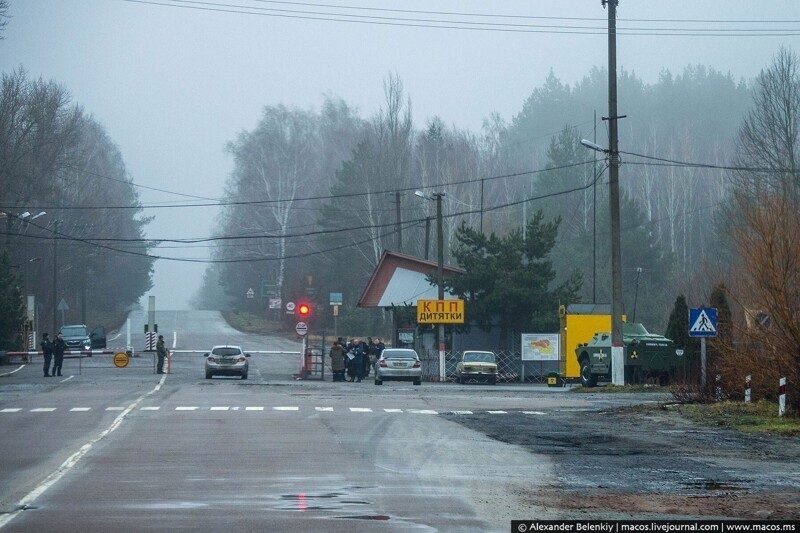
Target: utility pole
x: 617, y: 351
x: 399, y: 227
x: 440, y: 278
x: 55, y: 277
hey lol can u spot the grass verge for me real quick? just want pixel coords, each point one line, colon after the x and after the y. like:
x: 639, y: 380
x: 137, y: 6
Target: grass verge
x: 758, y: 417
x: 621, y: 389
x: 250, y: 323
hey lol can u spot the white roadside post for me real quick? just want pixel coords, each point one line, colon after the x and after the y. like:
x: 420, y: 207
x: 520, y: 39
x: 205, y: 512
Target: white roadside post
x: 782, y: 397
x: 747, y: 389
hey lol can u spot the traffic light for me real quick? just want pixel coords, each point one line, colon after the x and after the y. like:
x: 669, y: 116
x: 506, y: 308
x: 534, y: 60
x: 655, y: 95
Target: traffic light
x: 304, y: 310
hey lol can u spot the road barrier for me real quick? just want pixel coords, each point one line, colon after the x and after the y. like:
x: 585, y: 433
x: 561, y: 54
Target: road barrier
x: 27, y: 357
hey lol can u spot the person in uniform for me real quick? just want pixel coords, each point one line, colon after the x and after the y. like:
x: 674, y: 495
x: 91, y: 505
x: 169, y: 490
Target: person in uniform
x: 59, y: 347
x: 161, y: 351
x: 47, y: 351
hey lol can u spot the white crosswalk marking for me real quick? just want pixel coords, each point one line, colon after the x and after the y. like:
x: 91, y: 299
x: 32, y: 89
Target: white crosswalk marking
x: 327, y: 409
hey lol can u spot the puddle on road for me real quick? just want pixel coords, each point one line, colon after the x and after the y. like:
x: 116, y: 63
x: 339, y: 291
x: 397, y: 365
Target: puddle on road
x: 715, y: 486
x: 327, y: 501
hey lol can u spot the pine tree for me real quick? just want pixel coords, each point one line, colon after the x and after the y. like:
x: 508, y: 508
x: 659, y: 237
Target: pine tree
x: 678, y: 326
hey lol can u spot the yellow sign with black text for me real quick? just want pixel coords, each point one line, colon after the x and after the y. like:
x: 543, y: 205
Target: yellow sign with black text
x: 121, y: 360
x: 440, y: 311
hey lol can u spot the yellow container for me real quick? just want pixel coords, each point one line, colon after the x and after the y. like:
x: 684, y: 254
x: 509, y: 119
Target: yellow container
x: 579, y: 323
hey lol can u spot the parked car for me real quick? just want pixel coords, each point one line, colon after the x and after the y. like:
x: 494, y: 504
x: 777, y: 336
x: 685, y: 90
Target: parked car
x: 227, y: 361
x: 78, y: 338
x: 477, y: 365
x: 398, y: 364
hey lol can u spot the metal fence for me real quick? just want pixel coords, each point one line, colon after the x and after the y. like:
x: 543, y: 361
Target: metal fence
x: 510, y: 367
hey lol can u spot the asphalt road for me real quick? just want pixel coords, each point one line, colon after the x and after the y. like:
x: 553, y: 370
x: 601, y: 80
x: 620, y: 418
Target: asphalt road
x: 124, y: 449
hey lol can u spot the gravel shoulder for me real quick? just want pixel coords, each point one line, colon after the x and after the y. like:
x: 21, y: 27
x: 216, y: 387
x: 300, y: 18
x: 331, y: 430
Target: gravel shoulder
x: 647, y: 462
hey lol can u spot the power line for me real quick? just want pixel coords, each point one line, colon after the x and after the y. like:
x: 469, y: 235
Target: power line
x: 462, y: 25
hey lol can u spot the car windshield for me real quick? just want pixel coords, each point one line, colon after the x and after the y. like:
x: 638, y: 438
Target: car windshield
x: 74, y: 331
x: 478, y: 357
x: 226, y: 351
x: 399, y: 354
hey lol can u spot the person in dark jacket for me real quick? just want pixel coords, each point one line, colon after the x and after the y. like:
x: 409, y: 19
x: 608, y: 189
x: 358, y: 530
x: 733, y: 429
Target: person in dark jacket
x: 59, y: 347
x: 369, y: 354
x: 337, y: 361
x: 161, y: 351
x: 356, y: 366
x: 47, y: 351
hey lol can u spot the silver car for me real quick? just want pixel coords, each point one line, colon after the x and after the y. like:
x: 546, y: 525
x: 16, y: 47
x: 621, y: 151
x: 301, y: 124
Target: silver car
x: 398, y: 364
x: 227, y: 361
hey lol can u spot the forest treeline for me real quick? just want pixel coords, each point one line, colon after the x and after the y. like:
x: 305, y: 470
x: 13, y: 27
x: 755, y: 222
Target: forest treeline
x: 318, y: 195
x: 70, y: 217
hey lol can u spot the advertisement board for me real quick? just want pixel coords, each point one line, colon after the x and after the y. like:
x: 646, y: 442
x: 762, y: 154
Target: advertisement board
x: 540, y: 347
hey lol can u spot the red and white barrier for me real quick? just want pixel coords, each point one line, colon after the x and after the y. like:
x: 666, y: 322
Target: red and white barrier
x: 27, y: 356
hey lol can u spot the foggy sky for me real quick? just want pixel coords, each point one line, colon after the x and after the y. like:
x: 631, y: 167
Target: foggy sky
x: 172, y: 85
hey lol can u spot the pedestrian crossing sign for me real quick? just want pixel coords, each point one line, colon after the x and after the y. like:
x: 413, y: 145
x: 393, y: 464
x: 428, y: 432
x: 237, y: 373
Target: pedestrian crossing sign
x: 703, y: 322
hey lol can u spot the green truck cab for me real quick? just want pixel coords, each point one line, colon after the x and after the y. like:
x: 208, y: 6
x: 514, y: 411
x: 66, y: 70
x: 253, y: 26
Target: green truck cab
x: 648, y: 357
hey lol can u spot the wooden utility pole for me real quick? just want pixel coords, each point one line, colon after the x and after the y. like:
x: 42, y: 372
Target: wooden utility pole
x: 617, y: 350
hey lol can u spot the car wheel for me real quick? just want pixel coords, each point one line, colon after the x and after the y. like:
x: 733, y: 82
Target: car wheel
x: 244, y: 376
x: 208, y: 375
x: 492, y: 381
x: 460, y: 379
x: 378, y: 381
x: 587, y: 378
x: 417, y: 382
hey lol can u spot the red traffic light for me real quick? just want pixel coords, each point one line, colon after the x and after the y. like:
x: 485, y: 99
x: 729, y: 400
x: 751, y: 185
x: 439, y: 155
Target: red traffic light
x: 303, y: 309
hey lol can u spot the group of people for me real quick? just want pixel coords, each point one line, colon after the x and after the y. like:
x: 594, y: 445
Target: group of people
x: 355, y: 357
x: 53, y: 351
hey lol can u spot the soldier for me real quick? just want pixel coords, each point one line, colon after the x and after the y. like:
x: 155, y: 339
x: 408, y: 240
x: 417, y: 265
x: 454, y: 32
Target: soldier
x: 47, y: 351
x: 59, y: 347
x: 161, y: 350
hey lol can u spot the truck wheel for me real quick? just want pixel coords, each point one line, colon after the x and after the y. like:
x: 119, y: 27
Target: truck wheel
x: 587, y: 378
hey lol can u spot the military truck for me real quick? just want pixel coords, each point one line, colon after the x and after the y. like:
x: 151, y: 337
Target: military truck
x: 649, y: 358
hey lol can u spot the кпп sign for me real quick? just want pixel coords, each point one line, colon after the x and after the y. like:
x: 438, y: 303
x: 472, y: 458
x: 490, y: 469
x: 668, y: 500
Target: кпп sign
x: 440, y: 311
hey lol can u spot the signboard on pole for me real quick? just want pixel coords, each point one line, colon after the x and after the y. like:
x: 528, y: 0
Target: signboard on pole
x: 540, y: 347
x: 301, y: 328
x: 703, y: 322
x: 440, y: 311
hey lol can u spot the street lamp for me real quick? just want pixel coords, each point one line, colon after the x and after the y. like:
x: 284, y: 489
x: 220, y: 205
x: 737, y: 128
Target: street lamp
x: 439, y: 270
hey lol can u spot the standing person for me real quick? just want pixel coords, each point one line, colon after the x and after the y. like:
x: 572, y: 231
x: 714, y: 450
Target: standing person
x: 337, y: 361
x: 369, y: 357
x: 161, y: 350
x: 59, y: 347
x: 379, y: 347
x: 357, y: 362
x: 47, y: 351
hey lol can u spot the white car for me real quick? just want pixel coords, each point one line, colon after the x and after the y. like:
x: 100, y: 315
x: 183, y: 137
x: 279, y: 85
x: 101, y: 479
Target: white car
x: 399, y: 364
x: 227, y: 361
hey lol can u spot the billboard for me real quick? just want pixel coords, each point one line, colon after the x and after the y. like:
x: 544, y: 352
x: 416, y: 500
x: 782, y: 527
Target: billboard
x: 540, y: 347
